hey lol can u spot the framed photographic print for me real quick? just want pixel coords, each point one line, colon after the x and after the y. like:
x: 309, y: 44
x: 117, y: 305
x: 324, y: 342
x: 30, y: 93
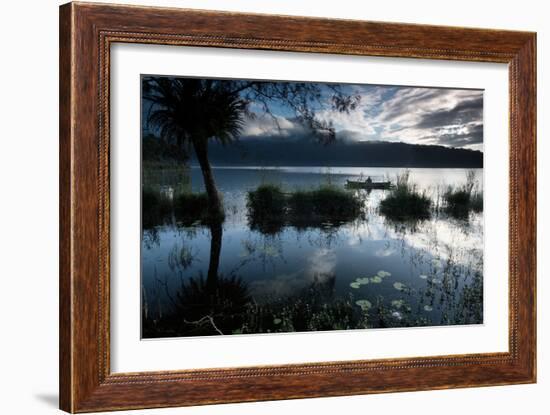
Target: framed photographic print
x: 261, y: 207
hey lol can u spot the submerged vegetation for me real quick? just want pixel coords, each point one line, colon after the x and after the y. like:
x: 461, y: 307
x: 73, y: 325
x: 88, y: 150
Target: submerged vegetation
x: 201, y: 307
x: 156, y: 208
x: 270, y: 208
x: 226, y: 305
x: 405, y: 201
x: 163, y: 208
x: 228, y: 308
x: 325, y: 203
x: 313, y: 308
x: 406, y: 204
x: 460, y: 201
x: 267, y: 208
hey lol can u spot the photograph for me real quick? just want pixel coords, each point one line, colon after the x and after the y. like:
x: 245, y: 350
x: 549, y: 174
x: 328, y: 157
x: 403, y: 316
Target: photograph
x: 292, y: 206
x: 275, y: 207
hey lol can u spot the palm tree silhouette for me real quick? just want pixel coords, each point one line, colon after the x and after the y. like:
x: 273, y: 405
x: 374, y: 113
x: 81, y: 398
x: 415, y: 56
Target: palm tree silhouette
x: 189, y: 112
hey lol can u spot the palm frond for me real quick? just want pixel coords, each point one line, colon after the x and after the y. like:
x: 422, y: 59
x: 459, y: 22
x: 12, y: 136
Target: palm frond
x: 184, y: 109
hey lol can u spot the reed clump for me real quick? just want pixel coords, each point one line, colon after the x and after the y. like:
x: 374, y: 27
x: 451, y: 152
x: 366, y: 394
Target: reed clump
x: 270, y: 208
x: 162, y: 208
x: 459, y: 201
x: 405, y: 201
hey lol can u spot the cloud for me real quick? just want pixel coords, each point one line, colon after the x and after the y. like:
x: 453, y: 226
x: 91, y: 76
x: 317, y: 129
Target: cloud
x: 320, y: 269
x: 275, y: 127
x: 266, y: 125
x: 438, y: 116
x: 448, y: 117
x: 463, y: 112
x: 469, y: 136
x: 356, y: 122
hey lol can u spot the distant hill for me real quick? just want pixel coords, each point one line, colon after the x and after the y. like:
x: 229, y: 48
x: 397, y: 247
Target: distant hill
x: 281, y: 152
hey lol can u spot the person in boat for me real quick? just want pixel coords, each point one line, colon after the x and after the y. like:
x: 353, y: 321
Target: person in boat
x: 369, y: 180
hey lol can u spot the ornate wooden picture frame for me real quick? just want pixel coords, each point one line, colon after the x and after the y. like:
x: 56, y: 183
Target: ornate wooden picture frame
x: 87, y: 32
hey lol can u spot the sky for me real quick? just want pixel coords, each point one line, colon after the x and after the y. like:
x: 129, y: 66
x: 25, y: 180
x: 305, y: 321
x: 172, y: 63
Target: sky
x: 413, y: 115
x: 431, y: 116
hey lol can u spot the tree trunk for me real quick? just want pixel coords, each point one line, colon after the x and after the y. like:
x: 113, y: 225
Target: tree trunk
x: 215, y: 212
x: 215, y: 208
x: 216, y: 233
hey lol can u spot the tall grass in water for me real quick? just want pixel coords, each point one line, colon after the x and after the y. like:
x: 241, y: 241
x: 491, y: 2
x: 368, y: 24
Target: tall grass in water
x: 326, y: 202
x: 405, y: 201
x: 267, y: 206
x: 160, y: 209
x: 193, y: 207
x: 267, y: 201
x: 156, y: 208
x: 270, y: 208
x: 460, y: 201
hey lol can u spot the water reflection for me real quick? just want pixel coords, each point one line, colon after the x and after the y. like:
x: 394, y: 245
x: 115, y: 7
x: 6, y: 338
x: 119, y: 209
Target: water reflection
x: 238, y: 277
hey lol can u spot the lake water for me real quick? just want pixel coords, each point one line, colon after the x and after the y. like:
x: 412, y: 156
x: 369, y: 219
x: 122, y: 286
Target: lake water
x: 420, y: 273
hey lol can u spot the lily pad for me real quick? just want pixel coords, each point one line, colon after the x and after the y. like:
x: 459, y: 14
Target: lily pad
x: 277, y: 321
x: 376, y: 279
x: 364, y: 304
x: 399, y: 286
x: 424, y: 277
x: 383, y: 274
x: 358, y: 282
x: 428, y: 308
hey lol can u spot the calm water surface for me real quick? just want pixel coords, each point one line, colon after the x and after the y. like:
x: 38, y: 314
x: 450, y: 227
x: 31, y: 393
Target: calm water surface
x: 429, y: 268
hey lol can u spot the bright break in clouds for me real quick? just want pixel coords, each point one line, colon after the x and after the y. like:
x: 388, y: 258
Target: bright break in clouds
x: 414, y: 115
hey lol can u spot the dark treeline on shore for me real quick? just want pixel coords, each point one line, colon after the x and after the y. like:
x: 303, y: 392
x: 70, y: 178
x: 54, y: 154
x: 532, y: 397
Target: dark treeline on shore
x: 306, y: 152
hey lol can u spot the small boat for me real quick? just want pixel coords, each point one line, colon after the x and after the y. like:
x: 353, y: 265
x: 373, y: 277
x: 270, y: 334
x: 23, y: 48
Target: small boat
x: 366, y: 184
